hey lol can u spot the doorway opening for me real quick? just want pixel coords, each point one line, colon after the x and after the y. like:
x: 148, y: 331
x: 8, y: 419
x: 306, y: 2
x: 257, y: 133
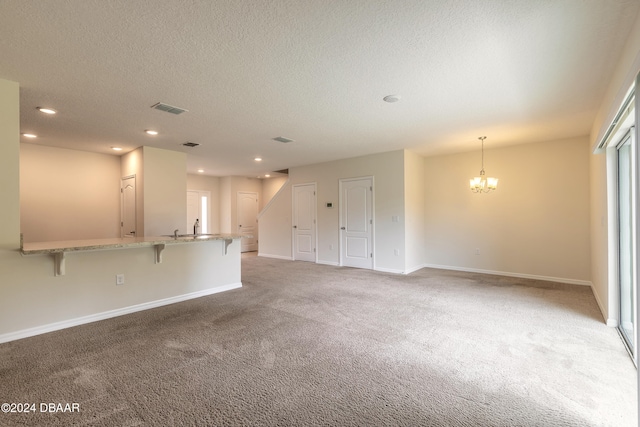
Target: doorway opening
x: 247, y: 216
x: 198, y: 208
x: 128, y: 206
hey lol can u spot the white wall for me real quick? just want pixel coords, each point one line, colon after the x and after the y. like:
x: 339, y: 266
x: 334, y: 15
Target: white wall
x: 387, y: 170
x: 535, y: 224
x: 68, y: 194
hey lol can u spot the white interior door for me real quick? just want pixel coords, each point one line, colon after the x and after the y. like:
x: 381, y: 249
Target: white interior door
x: 356, y: 222
x: 304, y: 222
x: 128, y: 203
x: 247, y: 212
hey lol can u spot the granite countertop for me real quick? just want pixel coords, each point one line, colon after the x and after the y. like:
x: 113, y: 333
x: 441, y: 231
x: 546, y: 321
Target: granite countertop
x: 114, y: 243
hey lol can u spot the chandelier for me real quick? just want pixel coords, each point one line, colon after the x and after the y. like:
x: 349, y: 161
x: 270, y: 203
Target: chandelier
x: 483, y: 184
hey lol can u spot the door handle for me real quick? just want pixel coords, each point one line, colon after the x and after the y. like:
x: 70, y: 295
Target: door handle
x: 295, y: 226
x: 342, y: 228
x: 240, y: 226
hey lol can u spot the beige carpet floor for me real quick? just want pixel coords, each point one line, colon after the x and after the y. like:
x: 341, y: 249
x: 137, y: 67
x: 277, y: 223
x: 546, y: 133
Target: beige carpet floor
x: 304, y: 344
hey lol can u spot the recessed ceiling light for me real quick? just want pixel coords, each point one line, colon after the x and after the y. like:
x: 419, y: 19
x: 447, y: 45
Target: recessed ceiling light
x: 267, y: 175
x: 116, y: 148
x: 46, y: 110
x: 391, y: 98
x: 151, y: 132
x: 201, y: 170
x: 258, y: 159
x: 29, y: 135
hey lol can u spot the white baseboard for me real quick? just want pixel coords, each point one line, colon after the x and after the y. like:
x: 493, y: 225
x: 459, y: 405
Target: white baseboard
x: 332, y: 263
x: 610, y: 322
x: 288, y: 258
x: 25, y: 333
x: 388, y: 270
x: 395, y: 271
x: 414, y: 269
x: 510, y: 274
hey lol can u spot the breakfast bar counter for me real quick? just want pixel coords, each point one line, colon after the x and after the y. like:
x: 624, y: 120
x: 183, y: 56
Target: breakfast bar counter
x: 58, y: 249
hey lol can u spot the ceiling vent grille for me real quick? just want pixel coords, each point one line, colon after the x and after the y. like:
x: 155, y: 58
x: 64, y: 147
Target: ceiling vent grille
x: 168, y: 108
x: 190, y: 144
x: 282, y: 139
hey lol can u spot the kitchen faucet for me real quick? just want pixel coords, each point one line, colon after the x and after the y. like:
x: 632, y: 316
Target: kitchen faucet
x: 196, y: 226
x: 175, y: 233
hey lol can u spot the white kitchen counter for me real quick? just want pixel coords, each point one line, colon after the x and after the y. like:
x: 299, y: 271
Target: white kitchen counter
x: 59, y: 248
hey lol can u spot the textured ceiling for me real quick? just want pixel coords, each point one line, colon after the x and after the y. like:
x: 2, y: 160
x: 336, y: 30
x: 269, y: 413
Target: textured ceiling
x: 314, y: 71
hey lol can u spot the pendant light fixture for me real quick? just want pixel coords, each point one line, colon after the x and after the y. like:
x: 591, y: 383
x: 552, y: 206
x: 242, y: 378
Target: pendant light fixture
x: 482, y: 183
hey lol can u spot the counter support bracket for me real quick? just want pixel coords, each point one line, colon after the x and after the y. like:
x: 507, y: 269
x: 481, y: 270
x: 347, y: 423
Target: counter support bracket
x: 59, y: 268
x: 227, y: 242
x: 159, y: 249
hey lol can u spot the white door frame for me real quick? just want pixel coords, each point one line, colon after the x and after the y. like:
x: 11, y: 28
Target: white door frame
x: 373, y: 219
x: 293, y: 220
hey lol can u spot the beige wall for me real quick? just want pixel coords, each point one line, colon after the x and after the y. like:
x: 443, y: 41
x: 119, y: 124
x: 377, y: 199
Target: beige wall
x: 271, y: 186
x: 274, y: 231
x: 165, y: 191
x: 623, y: 77
x: 35, y: 301
x: 9, y: 169
x: 415, y: 205
x: 536, y: 224
x: 68, y: 194
x: 599, y: 233
x: 604, y: 285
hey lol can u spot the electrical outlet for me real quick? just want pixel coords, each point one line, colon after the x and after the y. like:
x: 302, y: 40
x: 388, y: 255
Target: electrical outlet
x: 330, y: 247
x: 396, y: 252
x: 119, y: 279
x: 477, y: 251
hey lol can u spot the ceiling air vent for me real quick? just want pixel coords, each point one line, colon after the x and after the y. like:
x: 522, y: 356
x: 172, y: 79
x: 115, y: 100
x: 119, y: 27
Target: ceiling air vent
x: 190, y: 144
x: 282, y: 139
x: 168, y: 108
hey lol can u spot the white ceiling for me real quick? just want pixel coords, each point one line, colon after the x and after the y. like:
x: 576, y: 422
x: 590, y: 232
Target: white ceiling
x: 314, y: 71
